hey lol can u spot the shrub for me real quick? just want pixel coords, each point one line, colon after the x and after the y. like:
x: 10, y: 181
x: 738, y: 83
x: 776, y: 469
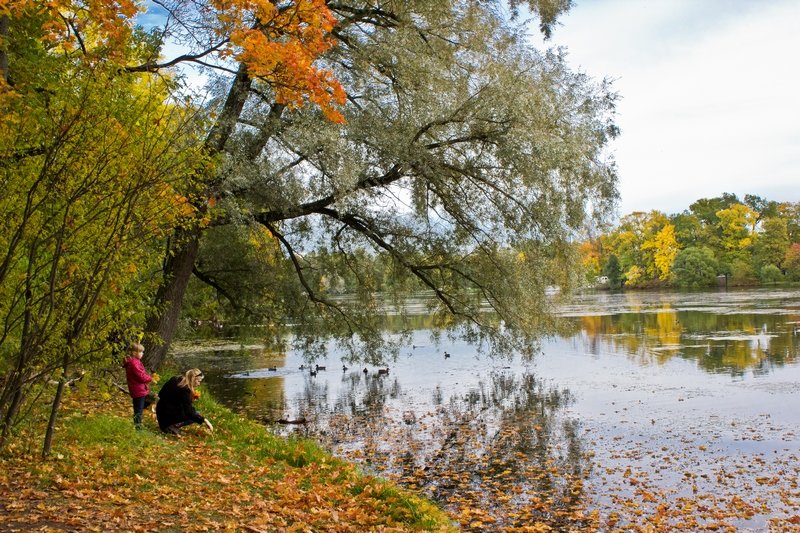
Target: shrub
x: 695, y: 267
x: 771, y: 274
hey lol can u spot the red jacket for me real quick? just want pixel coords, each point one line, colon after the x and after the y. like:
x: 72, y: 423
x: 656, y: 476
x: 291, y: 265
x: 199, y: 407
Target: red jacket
x: 137, y: 376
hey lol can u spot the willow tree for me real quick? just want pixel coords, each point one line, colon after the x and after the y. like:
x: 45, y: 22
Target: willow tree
x: 466, y: 156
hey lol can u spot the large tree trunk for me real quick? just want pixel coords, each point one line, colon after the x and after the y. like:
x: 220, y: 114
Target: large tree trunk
x: 163, y: 323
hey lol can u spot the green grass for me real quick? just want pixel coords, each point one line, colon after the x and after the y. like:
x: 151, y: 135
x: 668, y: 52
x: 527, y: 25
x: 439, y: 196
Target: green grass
x: 100, y: 452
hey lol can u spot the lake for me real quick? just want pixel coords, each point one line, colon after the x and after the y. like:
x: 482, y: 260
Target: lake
x: 663, y: 410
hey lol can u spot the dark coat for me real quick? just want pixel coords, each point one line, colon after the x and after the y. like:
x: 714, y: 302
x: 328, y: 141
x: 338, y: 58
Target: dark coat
x: 175, y: 405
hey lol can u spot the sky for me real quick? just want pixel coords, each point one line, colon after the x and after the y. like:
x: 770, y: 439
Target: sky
x: 710, y: 95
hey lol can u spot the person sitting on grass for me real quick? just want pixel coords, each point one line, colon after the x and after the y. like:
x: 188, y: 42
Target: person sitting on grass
x: 174, y: 408
x: 137, y: 378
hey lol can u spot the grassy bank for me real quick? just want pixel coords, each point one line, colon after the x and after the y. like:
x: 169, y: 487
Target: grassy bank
x: 103, y: 475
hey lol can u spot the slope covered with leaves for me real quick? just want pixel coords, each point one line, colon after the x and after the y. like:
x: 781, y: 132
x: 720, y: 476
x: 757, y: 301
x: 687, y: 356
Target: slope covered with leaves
x: 104, y: 475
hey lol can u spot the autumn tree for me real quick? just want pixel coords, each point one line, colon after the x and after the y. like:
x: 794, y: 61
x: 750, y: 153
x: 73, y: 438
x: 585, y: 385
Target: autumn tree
x: 773, y: 241
x: 790, y: 211
x: 590, y: 259
x: 705, y: 209
x: 736, y: 229
x: 745, y: 238
x: 664, y: 248
x: 466, y: 157
x: 639, y: 244
x: 91, y: 161
x: 625, y: 241
x: 737, y: 225
x: 791, y: 262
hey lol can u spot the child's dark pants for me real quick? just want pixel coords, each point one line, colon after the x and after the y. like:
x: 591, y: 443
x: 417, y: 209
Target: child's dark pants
x: 138, y: 409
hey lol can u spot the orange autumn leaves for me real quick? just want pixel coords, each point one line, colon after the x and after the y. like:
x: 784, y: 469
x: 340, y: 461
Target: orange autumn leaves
x: 87, y: 24
x: 279, y: 45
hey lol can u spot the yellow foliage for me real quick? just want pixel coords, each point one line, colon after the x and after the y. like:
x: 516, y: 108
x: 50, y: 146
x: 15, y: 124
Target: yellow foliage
x: 634, y: 275
x: 665, y: 248
x: 738, y: 224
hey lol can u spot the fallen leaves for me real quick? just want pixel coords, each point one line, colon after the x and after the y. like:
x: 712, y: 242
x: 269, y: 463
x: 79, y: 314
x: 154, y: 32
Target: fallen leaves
x: 143, y: 481
x: 506, y: 457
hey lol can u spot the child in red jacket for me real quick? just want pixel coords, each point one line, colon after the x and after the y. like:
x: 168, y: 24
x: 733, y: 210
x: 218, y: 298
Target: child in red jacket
x: 138, y: 378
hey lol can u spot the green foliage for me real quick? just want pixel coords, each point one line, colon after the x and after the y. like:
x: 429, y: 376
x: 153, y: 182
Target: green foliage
x: 466, y: 167
x: 791, y: 213
x: 742, y: 240
x: 613, y: 271
x: 90, y: 162
x: 637, y: 243
x: 770, y: 274
x: 705, y: 209
x: 772, y: 243
x: 695, y: 267
x: 240, y: 276
x: 743, y: 273
x: 765, y: 208
x: 688, y: 230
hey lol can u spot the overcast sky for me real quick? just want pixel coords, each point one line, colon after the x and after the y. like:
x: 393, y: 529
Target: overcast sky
x: 710, y: 95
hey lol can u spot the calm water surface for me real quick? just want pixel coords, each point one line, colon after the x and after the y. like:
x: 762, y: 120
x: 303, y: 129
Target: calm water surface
x: 681, y: 407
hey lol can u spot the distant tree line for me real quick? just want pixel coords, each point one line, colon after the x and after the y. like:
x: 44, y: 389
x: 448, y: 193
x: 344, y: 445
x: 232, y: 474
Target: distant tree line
x: 750, y: 241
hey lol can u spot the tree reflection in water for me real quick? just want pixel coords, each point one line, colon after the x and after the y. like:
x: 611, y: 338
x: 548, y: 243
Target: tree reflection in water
x: 720, y: 343
x: 503, y: 455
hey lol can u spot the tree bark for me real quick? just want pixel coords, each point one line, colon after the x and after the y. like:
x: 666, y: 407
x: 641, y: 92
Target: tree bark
x: 12, y: 390
x: 51, y: 424
x: 163, y: 322
x: 62, y: 382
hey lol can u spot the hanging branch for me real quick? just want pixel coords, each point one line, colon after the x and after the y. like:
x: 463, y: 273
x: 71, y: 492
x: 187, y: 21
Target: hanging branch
x: 303, y: 281
x: 211, y: 282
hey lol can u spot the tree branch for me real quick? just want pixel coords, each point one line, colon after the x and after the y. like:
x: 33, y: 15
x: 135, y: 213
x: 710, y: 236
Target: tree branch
x: 303, y: 281
x: 352, y: 15
x: 19, y: 155
x: 266, y: 131
x: 211, y: 282
x: 152, y: 66
x: 316, y: 206
x: 361, y: 227
x: 72, y: 27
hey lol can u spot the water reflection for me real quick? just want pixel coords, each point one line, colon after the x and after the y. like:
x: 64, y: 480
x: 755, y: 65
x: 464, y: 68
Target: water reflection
x: 504, y: 449
x: 719, y: 343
